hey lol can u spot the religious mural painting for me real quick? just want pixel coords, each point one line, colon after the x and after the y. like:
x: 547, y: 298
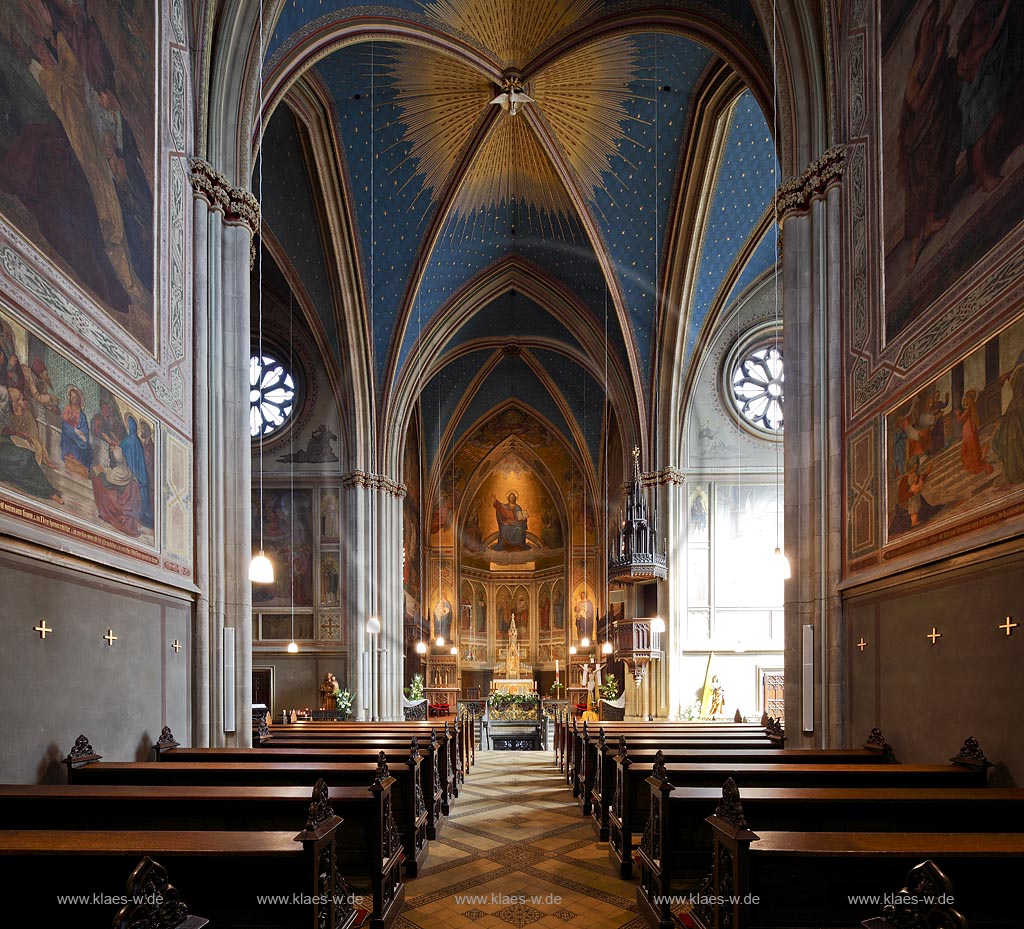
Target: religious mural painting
x: 953, y: 143
x: 329, y: 515
x: 583, y: 614
x: 70, y: 443
x: 77, y: 144
x: 330, y: 573
x: 479, y: 610
x: 957, y: 445
x: 289, y: 544
x: 443, y: 618
x: 411, y: 528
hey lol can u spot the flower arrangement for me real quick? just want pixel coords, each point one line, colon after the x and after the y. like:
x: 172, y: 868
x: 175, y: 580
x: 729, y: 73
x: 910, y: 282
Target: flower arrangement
x: 343, y: 701
x: 504, y: 701
x: 414, y: 690
x: 556, y: 689
x: 610, y: 688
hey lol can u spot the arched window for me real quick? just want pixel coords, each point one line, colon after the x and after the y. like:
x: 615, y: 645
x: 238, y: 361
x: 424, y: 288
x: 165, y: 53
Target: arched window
x: 272, y: 395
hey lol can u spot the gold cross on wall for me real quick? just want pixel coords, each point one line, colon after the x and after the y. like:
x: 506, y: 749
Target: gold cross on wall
x: 862, y: 644
x: 933, y: 635
x: 110, y: 637
x: 1009, y: 625
x: 42, y: 629
x: 176, y: 645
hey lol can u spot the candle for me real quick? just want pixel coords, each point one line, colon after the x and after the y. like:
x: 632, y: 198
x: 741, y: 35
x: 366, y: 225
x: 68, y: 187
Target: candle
x: 556, y: 667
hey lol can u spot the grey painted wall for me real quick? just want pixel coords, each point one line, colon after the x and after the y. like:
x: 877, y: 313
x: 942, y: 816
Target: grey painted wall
x: 927, y: 699
x: 297, y: 678
x: 119, y: 696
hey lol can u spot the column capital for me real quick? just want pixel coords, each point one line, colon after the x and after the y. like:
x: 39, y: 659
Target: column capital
x: 238, y: 205
x: 796, y: 196
x: 360, y: 478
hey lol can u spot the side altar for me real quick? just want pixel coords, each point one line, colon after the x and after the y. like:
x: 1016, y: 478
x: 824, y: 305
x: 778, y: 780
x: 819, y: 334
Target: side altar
x: 513, y: 677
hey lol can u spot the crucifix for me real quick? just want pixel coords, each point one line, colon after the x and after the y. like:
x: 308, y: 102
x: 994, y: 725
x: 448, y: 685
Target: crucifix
x: 933, y: 635
x: 42, y: 629
x: 110, y: 637
x: 862, y: 644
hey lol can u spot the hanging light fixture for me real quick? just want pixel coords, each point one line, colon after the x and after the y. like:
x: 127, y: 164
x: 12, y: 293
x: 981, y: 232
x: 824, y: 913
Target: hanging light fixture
x: 261, y: 569
x: 421, y: 647
x: 779, y: 562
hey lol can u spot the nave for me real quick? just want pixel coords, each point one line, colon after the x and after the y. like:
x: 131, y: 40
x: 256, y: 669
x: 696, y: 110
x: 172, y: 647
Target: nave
x: 519, y: 846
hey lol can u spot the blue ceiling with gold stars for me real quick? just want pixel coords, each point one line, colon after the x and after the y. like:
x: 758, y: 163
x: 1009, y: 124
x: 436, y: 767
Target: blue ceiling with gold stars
x: 745, y: 188
x: 512, y: 316
x: 576, y: 184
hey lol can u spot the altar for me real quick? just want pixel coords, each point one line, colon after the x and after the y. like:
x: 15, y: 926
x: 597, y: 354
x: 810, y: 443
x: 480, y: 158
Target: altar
x: 512, y: 676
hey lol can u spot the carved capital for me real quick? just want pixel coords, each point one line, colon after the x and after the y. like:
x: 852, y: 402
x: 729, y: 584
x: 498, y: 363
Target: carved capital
x: 360, y: 478
x: 209, y: 183
x: 238, y: 205
x: 797, y: 195
x: 243, y: 209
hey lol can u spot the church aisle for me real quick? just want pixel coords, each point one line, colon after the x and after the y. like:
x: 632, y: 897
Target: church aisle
x: 517, y: 852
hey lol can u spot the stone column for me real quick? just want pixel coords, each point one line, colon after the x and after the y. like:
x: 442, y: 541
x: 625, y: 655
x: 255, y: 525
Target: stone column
x: 672, y: 538
x: 226, y: 219
x: 809, y: 210
x: 372, y: 516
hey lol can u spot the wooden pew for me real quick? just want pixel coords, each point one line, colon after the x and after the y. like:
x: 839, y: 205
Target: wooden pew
x: 631, y: 805
x: 316, y: 752
x: 454, y: 758
x: 679, y: 850
x: 221, y: 872
x: 580, y: 762
x: 583, y: 748
x: 598, y: 764
x: 568, y: 727
x: 640, y: 757
x: 408, y: 805
x: 241, y: 809
x: 799, y: 879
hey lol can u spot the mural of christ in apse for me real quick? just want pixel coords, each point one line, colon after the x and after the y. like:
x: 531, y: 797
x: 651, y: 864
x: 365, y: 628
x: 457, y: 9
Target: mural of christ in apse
x: 512, y: 520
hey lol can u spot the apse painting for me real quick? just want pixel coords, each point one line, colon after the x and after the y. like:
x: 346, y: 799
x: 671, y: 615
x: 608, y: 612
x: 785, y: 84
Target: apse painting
x: 288, y: 542
x: 77, y: 135
x: 512, y: 520
x: 70, y: 443
x: 957, y: 446
x: 953, y: 146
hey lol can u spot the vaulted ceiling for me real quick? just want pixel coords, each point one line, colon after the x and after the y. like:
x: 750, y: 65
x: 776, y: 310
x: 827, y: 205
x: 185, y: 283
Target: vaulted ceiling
x: 541, y: 254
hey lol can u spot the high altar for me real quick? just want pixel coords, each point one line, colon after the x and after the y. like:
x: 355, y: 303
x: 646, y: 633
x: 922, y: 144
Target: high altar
x: 513, y: 677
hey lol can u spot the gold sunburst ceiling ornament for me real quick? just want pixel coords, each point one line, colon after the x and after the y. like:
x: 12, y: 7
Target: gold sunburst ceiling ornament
x: 580, y: 98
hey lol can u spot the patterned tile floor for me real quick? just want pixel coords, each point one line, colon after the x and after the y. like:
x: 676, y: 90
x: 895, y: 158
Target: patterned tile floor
x: 516, y: 852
